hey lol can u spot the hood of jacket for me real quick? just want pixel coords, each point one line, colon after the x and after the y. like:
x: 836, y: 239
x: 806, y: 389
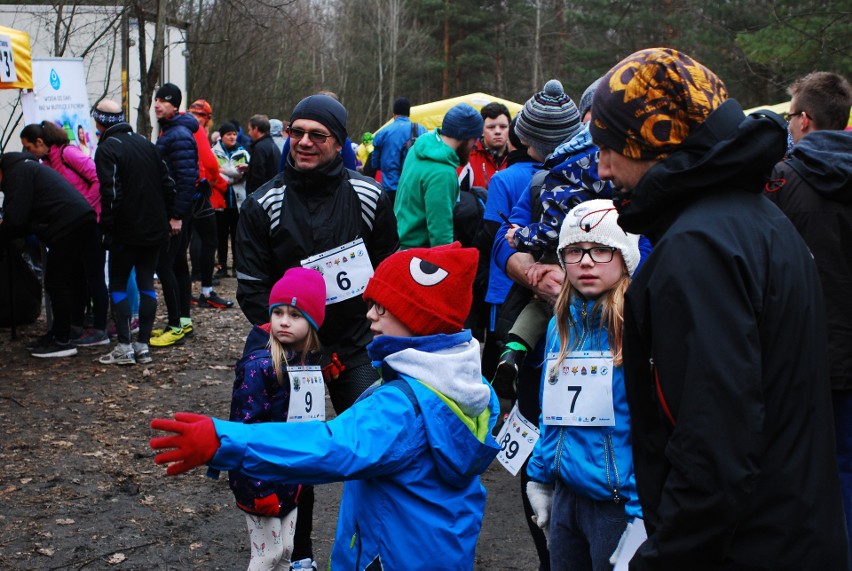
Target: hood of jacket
x: 184, y: 119
x: 728, y: 152
x: 431, y: 147
x: 258, y: 338
x: 116, y: 129
x: 459, y: 408
x: 8, y: 160
x: 824, y: 159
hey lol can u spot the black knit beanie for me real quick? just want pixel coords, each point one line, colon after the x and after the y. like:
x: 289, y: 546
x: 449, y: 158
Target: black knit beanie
x: 323, y: 109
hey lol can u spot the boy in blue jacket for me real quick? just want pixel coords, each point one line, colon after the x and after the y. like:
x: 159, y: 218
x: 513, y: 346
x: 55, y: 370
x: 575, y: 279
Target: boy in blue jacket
x: 410, y: 450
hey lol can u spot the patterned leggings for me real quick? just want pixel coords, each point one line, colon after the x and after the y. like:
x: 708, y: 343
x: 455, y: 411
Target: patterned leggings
x: 271, y: 541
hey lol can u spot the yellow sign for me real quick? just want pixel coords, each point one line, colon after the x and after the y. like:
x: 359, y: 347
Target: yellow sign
x: 16, y: 65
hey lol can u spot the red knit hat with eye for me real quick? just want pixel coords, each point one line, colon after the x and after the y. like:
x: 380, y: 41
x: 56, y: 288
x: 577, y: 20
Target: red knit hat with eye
x: 429, y: 290
x: 303, y: 289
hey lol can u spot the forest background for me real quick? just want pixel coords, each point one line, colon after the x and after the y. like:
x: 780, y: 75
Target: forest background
x: 263, y: 56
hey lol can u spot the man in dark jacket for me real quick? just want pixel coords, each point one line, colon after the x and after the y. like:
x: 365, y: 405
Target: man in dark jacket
x: 136, y: 193
x: 38, y: 200
x: 725, y: 351
x: 814, y: 189
x: 318, y: 214
x: 178, y: 148
x: 265, y: 155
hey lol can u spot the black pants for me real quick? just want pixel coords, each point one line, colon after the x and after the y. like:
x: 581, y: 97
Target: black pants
x: 89, y: 282
x: 63, y: 269
x: 173, y: 271
x: 122, y: 259
x: 204, y: 240
x: 226, y: 226
x: 344, y: 392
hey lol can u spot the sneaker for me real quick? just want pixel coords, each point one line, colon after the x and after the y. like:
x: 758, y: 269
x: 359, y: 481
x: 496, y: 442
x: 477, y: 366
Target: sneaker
x: 121, y: 355
x: 141, y: 352
x: 168, y: 338
x: 41, y: 341
x: 112, y: 331
x: 507, y: 370
x: 91, y: 338
x: 221, y: 272
x: 187, y: 331
x: 55, y: 349
x: 303, y: 564
x: 213, y: 300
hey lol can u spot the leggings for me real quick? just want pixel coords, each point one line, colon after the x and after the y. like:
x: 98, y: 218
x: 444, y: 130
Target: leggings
x: 226, y: 225
x: 89, y: 284
x: 122, y: 261
x: 173, y: 271
x: 204, y: 234
x: 271, y: 541
x: 63, y: 268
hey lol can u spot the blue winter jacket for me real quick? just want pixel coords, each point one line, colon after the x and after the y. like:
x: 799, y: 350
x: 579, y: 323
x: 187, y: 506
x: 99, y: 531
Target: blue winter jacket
x: 176, y: 144
x: 411, y: 456
x: 504, y: 191
x: 595, y: 461
x: 387, y: 146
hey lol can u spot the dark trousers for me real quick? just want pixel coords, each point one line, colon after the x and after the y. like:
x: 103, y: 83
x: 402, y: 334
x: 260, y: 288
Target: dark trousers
x: 842, y: 404
x: 122, y: 260
x: 226, y: 226
x: 64, y: 269
x: 204, y: 240
x: 90, y: 285
x: 173, y: 271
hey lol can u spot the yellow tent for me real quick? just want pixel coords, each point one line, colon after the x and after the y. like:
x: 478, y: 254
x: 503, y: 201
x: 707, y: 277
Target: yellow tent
x: 16, y: 56
x: 782, y: 108
x: 430, y: 115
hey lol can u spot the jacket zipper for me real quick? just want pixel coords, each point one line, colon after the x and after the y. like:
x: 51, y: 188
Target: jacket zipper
x: 559, y: 445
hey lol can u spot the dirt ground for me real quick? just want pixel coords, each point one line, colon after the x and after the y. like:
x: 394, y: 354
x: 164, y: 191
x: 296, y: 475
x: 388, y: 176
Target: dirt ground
x: 79, y: 488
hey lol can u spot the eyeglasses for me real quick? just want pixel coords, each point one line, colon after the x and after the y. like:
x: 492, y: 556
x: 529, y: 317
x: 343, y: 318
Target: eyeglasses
x: 788, y: 116
x: 315, y: 137
x: 380, y: 309
x: 598, y: 254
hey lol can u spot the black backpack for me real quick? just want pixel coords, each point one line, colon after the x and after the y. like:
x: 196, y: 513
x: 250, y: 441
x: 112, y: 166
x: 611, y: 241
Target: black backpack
x: 403, y: 152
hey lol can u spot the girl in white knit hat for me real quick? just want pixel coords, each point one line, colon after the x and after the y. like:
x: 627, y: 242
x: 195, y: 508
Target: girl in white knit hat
x: 582, y: 486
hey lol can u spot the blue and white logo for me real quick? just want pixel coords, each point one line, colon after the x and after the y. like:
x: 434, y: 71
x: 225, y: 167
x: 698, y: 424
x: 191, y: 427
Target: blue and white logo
x: 54, y: 79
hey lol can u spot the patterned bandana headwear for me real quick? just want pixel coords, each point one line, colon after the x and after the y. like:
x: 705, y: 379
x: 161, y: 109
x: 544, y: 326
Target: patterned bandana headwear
x: 651, y: 101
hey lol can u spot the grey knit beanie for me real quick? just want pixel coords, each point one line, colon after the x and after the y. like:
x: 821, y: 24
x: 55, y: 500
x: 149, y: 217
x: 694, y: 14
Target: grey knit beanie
x: 586, y: 99
x: 548, y: 119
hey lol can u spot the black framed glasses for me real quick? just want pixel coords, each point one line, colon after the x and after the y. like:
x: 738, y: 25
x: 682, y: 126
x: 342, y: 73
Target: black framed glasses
x: 788, y: 116
x: 315, y: 137
x: 598, y: 254
x: 380, y: 309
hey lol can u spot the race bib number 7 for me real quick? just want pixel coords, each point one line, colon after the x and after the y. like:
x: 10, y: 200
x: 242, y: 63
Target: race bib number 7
x: 579, y: 391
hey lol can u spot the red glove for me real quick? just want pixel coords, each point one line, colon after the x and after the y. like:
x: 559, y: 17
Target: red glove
x: 332, y: 371
x: 196, y: 441
x: 268, y: 506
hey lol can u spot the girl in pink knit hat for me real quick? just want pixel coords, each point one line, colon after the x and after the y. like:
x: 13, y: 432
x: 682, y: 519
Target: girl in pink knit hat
x: 278, y: 380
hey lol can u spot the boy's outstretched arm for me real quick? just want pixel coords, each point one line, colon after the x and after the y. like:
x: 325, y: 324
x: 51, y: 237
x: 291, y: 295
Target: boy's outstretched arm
x: 195, y: 441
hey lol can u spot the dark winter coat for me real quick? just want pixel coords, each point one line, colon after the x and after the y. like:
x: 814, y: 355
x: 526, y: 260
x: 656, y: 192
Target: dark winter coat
x: 38, y: 200
x: 177, y: 147
x: 302, y: 213
x: 136, y: 188
x: 814, y: 189
x: 726, y: 365
x: 263, y: 165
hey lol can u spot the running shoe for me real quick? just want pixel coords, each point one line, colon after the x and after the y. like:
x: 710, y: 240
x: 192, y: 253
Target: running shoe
x: 55, y: 349
x: 172, y: 336
x: 141, y: 353
x: 213, y: 300
x: 121, y: 355
x: 91, y: 338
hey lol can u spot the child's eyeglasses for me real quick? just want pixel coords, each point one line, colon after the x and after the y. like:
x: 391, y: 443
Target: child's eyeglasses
x: 598, y: 254
x: 315, y: 137
x: 380, y: 309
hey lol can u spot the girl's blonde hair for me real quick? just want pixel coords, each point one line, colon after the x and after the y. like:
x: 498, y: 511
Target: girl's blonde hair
x: 279, y: 352
x: 611, y: 304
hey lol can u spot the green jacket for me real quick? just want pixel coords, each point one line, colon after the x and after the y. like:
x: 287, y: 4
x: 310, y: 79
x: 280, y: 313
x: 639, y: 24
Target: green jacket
x: 427, y: 192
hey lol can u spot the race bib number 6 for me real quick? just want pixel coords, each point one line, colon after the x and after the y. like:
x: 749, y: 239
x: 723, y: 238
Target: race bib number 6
x: 346, y: 270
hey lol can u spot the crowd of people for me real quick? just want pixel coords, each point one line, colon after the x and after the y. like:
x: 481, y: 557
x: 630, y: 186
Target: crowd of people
x: 656, y: 280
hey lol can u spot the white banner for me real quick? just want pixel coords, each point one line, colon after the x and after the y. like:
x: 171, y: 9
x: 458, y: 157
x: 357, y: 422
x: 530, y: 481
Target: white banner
x: 59, y: 95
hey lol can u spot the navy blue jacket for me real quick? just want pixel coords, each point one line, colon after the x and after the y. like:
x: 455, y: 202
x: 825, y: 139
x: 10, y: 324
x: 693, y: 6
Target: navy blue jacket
x: 177, y: 147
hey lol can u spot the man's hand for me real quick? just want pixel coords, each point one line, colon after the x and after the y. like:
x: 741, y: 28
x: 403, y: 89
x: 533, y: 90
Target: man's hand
x: 510, y: 236
x: 175, y: 224
x: 195, y: 442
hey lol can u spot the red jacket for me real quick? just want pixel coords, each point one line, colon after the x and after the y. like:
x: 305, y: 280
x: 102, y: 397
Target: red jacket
x: 483, y: 165
x: 208, y: 167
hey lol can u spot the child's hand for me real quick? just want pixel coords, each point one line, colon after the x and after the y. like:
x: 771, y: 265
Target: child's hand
x: 549, y: 282
x: 535, y: 272
x: 195, y: 442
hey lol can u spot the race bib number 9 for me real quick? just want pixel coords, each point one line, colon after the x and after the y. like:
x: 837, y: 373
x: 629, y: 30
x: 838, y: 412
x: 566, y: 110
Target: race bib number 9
x: 579, y: 391
x: 517, y: 439
x: 346, y: 270
x: 307, y: 394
